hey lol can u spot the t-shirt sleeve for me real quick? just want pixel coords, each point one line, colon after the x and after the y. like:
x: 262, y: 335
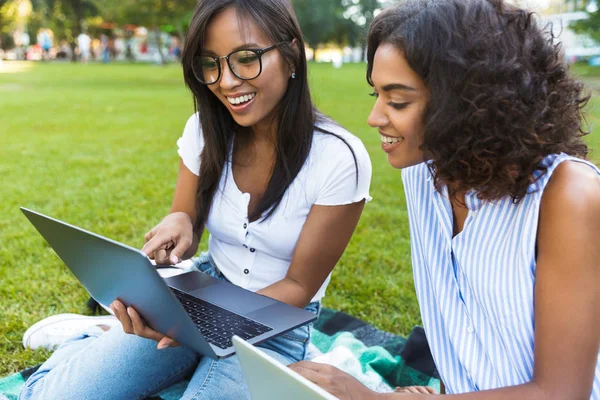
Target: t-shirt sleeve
x: 190, y: 144
x: 343, y: 178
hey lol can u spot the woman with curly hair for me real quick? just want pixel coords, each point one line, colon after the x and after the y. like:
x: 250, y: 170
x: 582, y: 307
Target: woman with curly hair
x: 475, y: 104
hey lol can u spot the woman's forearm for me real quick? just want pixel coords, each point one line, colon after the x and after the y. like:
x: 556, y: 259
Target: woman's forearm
x: 288, y: 291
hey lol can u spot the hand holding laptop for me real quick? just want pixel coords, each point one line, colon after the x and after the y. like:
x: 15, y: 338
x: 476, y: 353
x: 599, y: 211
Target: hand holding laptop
x: 133, y: 324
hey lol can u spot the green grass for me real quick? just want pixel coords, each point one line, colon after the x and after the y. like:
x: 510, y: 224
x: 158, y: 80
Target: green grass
x: 95, y: 145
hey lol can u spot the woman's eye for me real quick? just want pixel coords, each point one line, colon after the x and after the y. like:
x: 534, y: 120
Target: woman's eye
x: 248, y: 59
x: 374, y: 94
x: 398, y: 106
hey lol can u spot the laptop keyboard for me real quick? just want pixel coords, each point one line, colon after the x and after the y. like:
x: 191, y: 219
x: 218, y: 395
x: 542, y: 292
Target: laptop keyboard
x: 216, y: 324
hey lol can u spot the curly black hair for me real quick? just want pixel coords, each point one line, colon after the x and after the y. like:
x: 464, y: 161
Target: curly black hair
x: 501, y: 97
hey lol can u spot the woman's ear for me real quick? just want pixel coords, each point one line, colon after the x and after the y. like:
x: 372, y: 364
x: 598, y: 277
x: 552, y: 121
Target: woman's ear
x: 296, y: 50
x: 295, y: 45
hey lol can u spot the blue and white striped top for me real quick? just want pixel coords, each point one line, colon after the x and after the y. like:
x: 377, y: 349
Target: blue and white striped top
x: 476, y: 290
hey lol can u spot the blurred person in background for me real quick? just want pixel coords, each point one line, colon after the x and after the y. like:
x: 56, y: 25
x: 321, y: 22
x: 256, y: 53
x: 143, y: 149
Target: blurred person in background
x: 44, y: 39
x: 83, y: 43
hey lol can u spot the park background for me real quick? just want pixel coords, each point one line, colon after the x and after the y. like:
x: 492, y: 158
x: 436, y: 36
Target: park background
x: 94, y: 145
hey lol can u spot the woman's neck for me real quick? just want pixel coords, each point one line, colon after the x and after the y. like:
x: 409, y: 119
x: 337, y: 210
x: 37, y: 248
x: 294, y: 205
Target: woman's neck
x: 265, y: 131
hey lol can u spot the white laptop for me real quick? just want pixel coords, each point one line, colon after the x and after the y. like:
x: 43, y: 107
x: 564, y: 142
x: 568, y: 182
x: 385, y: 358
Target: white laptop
x: 268, y: 379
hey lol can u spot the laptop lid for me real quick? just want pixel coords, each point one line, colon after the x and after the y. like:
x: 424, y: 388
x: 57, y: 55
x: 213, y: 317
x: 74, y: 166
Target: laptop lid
x: 110, y: 270
x: 283, y: 383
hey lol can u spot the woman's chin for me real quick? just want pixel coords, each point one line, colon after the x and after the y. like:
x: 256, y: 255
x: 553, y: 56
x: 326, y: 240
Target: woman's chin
x: 401, y: 162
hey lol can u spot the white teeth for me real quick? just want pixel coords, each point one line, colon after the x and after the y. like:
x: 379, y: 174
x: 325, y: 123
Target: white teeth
x: 390, y: 140
x: 242, y: 99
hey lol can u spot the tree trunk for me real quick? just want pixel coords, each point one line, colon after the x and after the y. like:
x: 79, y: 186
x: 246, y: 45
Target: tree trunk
x: 78, y: 13
x: 314, y: 51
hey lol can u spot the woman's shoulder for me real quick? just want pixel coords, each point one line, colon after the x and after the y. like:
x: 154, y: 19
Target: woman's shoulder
x: 555, y: 167
x: 574, y: 185
x: 191, y: 143
x: 193, y: 122
x: 192, y: 132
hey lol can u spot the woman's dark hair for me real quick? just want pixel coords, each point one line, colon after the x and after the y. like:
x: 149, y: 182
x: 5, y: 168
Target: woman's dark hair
x: 296, y: 114
x: 501, y: 98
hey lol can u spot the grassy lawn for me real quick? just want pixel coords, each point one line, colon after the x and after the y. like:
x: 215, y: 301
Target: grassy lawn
x: 95, y: 145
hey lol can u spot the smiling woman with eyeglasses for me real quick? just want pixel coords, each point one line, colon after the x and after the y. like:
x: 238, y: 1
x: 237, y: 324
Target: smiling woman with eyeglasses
x: 279, y: 187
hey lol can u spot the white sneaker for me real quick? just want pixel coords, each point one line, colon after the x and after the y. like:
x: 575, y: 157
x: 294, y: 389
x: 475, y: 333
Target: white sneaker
x: 53, y: 331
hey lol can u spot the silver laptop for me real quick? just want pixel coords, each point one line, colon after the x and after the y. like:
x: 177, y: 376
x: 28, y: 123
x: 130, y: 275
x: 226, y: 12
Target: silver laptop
x: 283, y: 383
x: 194, y: 308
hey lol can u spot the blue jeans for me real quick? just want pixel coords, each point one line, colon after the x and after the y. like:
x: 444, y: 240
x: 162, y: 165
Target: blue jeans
x: 116, y: 365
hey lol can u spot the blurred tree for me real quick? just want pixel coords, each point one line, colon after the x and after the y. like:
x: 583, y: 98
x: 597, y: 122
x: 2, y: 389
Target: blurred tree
x: 589, y: 26
x: 343, y: 22
x: 13, y: 21
x: 362, y: 12
x: 154, y: 14
x: 3, y: 22
x: 318, y: 19
x: 66, y: 18
x: 4, y: 18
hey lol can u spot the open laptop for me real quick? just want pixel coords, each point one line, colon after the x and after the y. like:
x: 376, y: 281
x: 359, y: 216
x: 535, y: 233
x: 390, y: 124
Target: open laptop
x: 283, y: 383
x: 194, y: 308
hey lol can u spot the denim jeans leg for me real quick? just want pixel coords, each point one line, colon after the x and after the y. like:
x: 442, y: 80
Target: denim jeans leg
x: 113, y: 366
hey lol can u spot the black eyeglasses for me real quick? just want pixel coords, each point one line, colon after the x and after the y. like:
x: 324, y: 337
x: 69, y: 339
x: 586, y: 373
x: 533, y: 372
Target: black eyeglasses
x: 245, y: 64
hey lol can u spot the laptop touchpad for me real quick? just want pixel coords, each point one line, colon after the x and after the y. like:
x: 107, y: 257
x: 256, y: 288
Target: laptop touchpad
x: 233, y: 298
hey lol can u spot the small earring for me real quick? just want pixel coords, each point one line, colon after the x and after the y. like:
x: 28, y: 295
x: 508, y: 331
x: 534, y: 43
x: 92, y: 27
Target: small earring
x: 293, y: 75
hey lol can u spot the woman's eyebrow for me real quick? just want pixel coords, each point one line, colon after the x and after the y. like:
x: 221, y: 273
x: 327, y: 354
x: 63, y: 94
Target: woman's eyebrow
x: 240, y: 47
x: 398, y: 86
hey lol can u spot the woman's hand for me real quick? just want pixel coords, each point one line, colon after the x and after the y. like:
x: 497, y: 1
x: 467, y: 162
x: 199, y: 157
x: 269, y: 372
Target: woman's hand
x: 340, y: 384
x: 168, y: 241
x: 415, y: 390
x: 135, y: 325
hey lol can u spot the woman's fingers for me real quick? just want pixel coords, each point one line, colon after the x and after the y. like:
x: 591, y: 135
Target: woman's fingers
x: 164, y: 250
x: 166, y: 342
x: 134, y: 324
x: 176, y: 254
x: 150, y: 235
x: 415, y: 389
x: 161, y: 257
x: 140, y: 328
x: 121, y: 313
x: 157, y: 242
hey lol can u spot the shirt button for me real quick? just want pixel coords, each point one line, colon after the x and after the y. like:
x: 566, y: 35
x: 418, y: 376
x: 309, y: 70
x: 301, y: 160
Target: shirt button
x: 252, y: 250
x: 470, y: 329
x: 245, y: 225
x: 246, y: 271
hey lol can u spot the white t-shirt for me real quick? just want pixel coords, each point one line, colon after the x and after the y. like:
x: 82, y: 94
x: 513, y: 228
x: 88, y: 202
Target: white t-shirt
x: 256, y: 254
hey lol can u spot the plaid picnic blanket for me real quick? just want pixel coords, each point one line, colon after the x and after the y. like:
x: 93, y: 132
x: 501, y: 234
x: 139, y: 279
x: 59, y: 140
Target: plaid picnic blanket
x: 378, y: 359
